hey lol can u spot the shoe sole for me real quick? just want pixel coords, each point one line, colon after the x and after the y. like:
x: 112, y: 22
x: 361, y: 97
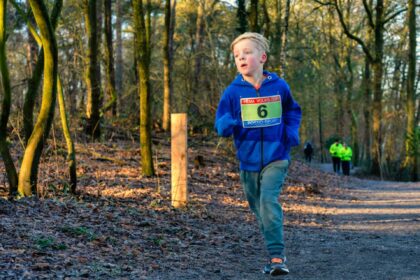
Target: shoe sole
x: 278, y: 272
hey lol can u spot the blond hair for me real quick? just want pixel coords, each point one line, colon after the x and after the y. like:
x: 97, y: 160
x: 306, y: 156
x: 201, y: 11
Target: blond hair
x: 261, y: 42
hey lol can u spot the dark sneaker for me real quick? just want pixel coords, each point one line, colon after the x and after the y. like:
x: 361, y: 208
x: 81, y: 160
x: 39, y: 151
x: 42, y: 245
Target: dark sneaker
x: 276, y: 268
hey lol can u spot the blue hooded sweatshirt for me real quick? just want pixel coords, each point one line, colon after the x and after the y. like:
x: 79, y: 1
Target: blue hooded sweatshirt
x: 259, y: 146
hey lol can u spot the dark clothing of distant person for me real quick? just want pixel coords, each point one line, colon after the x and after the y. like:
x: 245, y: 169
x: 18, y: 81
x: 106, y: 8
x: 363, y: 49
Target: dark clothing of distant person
x: 308, y: 151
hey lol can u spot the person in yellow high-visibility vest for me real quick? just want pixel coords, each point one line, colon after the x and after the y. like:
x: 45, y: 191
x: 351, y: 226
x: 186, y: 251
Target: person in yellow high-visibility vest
x: 335, y: 156
x: 345, y: 155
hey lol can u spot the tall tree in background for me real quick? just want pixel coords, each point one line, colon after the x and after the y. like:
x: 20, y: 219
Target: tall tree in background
x: 283, y: 45
x: 49, y: 92
x: 141, y: 18
x: 253, y: 16
x: 410, y: 142
x: 167, y: 62
x: 376, y: 22
x: 7, y: 101
x: 109, y: 61
x: 241, y: 17
x: 118, y: 49
x: 280, y: 35
x: 199, y: 53
x: 93, y: 87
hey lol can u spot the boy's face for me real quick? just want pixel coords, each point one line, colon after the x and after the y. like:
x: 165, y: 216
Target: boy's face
x: 248, y: 58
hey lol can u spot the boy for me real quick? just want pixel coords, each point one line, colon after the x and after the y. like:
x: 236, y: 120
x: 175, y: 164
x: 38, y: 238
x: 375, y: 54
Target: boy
x: 258, y: 109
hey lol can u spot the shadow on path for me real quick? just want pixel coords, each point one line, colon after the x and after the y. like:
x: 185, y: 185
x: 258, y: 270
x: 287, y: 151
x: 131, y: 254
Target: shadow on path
x: 370, y: 231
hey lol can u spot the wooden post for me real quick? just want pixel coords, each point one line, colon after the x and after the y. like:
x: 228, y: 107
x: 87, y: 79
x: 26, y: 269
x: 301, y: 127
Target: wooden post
x: 179, y: 160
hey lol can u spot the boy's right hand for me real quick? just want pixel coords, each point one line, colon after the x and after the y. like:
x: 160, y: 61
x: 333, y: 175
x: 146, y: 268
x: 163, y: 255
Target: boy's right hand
x: 226, y: 124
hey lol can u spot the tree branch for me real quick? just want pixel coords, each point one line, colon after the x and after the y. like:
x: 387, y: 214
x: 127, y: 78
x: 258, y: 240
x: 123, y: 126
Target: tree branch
x: 350, y: 35
x: 28, y: 22
x: 392, y: 16
x: 369, y: 14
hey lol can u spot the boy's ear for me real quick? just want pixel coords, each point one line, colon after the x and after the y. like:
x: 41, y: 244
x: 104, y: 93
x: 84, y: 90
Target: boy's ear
x: 263, y: 58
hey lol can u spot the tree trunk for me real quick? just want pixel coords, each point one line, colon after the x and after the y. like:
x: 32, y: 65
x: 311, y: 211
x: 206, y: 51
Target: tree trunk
x: 119, y: 65
x: 109, y: 60
x: 366, y: 110
x: 377, y: 89
x: 49, y: 91
x: 199, y: 39
x: 283, y: 49
x: 71, y: 154
x: 241, y: 17
x: 167, y: 64
x: 266, y: 20
x: 321, y: 132
x: 410, y: 161
x: 5, y: 110
x: 253, y: 16
x: 93, y: 127
x: 142, y: 40
x: 351, y: 112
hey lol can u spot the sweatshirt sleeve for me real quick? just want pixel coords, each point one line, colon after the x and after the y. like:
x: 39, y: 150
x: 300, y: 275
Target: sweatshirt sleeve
x: 292, y: 115
x: 225, y: 121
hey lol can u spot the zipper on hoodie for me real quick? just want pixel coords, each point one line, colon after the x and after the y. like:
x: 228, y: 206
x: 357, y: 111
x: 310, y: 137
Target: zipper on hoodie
x: 262, y: 137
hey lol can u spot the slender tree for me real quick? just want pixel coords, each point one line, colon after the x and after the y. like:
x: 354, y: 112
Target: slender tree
x: 118, y: 49
x: 410, y: 161
x: 241, y: 17
x: 284, y: 36
x: 71, y: 153
x: 43, y: 124
x: 109, y: 60
x: 167, y: 63
x: 5, y: 110
x: 142, y: 31
x: 198, y: 52
x: 93, y: 102
x: 253, y: 16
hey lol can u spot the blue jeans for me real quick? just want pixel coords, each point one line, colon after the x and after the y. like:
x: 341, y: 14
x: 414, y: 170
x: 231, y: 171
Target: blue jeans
x: 262, y: 190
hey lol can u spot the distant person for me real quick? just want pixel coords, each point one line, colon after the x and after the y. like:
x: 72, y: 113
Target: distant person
x: 308, y: 151
x: 345, y: 156
x: 260, y: 112
x: 335, y: 156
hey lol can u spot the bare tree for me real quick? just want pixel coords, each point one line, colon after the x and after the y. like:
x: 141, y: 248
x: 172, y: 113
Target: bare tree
x: 141, y: 18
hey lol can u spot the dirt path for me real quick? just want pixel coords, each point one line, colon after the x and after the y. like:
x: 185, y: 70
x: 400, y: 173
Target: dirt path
x: 370, y: 231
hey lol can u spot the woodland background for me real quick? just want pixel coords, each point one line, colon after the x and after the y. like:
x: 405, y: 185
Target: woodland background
x: 121, y: 67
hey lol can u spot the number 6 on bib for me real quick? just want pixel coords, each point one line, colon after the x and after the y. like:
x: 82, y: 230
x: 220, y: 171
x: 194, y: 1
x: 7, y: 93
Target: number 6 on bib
x: 261, y: 111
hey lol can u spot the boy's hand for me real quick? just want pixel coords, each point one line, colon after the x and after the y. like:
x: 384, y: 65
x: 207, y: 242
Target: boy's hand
x: 226, y: 124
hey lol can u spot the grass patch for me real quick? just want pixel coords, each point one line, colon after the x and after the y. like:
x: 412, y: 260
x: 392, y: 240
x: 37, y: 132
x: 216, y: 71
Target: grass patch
x: 44, y: 243
x: 79, y: 232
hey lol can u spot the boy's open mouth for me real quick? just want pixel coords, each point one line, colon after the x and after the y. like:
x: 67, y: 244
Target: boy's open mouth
x: 244, y: 65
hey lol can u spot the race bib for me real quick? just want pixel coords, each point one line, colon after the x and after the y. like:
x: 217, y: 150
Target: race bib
x: 261, y: 111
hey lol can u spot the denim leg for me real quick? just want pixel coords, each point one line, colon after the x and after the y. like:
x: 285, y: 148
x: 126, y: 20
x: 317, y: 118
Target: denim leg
x: 251, y: 186
x: 271, y: 213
